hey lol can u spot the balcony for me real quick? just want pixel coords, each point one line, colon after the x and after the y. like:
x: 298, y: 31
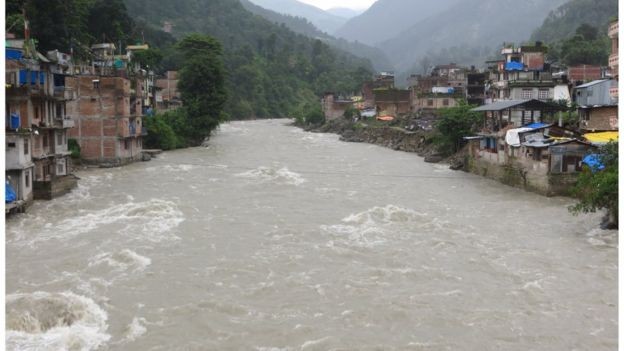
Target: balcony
x: 613, y: 29
x: 64, y: 123
x: 613, y: 61
x: 63, y: 93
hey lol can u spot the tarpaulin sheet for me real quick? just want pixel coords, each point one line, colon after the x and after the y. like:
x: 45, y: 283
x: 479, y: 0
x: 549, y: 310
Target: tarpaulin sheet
x: 536, y: 125
x: 514, y: 66
x: 9, y: 195
x: 602, y: 137
x: 594, y: 162
x: 512, y: 137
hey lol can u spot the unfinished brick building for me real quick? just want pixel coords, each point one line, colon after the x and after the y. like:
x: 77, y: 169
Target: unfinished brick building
x: 108, y: 119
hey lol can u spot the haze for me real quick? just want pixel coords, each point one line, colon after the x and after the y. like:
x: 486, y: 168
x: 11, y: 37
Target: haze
x: 352, y: 4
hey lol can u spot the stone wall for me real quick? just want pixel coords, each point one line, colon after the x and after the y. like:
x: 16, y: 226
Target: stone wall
x: 59, y: 186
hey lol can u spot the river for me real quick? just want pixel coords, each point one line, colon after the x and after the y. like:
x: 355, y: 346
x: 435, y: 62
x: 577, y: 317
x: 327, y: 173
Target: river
x: 272, y: 238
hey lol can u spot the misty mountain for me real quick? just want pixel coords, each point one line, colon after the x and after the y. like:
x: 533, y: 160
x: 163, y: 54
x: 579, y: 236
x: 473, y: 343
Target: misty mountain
x: 302, y: 26
x: 387, y: 18
x: 344, y: 12
x: 469, y: 28
x: 324, y: 21
x: 562, y: 22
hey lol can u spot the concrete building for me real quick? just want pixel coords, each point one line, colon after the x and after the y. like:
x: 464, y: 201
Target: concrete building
x: 598, y: 109
x: 167, y: 94
x: 36, y: 101
x: 334, y: 106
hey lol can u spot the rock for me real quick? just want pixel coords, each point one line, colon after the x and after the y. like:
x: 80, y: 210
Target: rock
x: 145, y: 157
x: 456, y: 165
x: 433, y: 158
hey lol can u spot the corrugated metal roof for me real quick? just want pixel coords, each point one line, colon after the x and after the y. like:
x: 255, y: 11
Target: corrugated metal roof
x: 500, y: 105
x: 587, y: 85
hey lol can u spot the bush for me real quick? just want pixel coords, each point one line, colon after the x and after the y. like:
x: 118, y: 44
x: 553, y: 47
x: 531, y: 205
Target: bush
x: 74, y: 148
x: 454, y: 124
x: 160, y: 134
x: 314, y: 116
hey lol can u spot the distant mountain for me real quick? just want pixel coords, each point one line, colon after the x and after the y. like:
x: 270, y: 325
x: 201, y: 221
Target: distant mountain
x: 344, y: 12
x: 562, y: 22
x: 387, y: 18
x: 271, y: 70
x: 325, y: 21
x: 468, y: 27
x: 300, y: 25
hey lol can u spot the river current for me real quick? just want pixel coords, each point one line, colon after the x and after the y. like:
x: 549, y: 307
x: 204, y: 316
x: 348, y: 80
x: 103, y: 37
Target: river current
x: 272, y: 239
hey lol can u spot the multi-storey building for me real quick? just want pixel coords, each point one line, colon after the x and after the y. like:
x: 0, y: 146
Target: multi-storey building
x: 109, y: 108
x: 36, y: 100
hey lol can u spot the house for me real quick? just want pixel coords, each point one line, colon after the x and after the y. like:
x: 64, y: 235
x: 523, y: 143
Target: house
x: 516, y: 113
x: 585, y: 73
x: 614, y: 65
x: 167, y: 93
x: 38, y: 122
x: 598, y: 109
x: 445, y: 85
x: 475, y: 88
x: 535, y: 157
x: 392, y: 102
x: 334, y: 106
x: 524, y: 74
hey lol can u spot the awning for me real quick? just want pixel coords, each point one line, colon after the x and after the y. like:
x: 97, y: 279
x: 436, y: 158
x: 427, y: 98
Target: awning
x: 602, y: 137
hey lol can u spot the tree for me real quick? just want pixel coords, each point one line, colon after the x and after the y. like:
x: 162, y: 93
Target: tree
x: 454, y: 124
x: 598, y: 189
x: 202, y: 86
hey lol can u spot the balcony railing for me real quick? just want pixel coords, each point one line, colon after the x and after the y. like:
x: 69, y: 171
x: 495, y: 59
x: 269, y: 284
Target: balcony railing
x: 64, y: 93
x: 613, y: 60
x: 64, y: 123
x: 613, y: 29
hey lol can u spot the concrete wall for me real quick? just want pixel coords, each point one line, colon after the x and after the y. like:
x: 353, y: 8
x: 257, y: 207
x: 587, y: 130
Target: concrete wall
x: 18, y: 150
x: 22, y: 182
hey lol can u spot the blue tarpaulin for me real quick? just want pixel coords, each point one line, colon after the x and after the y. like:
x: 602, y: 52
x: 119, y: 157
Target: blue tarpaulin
x: 536, y: 125
x: 12, y: 54
x: 10, y: 195
x: 514, y: 66
x: 594, y: 162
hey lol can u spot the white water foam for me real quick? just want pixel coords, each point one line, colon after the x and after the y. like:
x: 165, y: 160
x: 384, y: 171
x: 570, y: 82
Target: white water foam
x: 268, y: 174
x: 122, y: 261
x: 54, y: 321
x: 371, y: 227
x: 150, y: 220
x: 135, y: 329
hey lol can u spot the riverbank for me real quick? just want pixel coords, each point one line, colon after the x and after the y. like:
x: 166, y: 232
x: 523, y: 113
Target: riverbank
x: 393, y: 137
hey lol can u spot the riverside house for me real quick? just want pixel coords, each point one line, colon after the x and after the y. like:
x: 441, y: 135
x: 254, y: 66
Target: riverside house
x: 38, y: 160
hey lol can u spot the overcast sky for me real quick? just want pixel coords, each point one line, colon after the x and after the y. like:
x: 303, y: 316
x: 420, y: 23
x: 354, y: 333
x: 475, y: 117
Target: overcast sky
x: 353, y: 4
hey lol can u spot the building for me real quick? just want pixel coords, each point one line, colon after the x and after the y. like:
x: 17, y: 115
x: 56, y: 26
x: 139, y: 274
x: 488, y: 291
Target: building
x: 443, y: 88
x: 167, y: 94
x: 36, y: 109
x: 110, y: 102
x: 598, y: 109
x: 523, y: 74
x: 585, y: 73
x: 538, y: 157
x: 475, y: 88
x: 392, y: 102
x: 334, y: 106
x: 614, y: 65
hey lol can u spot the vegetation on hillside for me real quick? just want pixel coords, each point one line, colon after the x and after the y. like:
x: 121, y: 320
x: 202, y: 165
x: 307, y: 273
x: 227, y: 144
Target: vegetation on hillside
x: 562, y: 23
x: 271, y: 70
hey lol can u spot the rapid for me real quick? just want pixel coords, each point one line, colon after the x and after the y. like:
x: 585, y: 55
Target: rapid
x: 272, y: 238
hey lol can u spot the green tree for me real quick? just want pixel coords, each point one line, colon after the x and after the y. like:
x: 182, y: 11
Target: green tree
x: 454, y: 124
x: 160, y: 133
x: 598, y: 189
x: 148, y: 58
x: 202, y: 86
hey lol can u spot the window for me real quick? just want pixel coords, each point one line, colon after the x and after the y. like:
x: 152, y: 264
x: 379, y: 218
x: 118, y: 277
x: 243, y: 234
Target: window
x: 126, y: 144
x: 59, y: 139
x: 527, y: 94
x: 11, y: 145
x: 59, y: 111
x: 96, y: 84
x: 27, y: 178
x: 25, y: 146
x: 45, y: 140
x: 60, y: 168
x: 430, y: 102
x: 543, y: 94
x: 445, y: 102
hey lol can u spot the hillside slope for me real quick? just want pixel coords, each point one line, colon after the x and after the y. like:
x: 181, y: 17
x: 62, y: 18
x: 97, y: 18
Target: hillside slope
x: 300, y: 25
x: 387, y: 18
x: 482, y: 25
x: 271, y: 70
x: 562, y: 22
x: 323, y: 20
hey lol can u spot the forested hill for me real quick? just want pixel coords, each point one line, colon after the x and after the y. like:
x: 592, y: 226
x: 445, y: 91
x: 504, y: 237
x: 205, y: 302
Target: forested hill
x: 301, y: 25
x: 562, y: 22
x: 272, y: 71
